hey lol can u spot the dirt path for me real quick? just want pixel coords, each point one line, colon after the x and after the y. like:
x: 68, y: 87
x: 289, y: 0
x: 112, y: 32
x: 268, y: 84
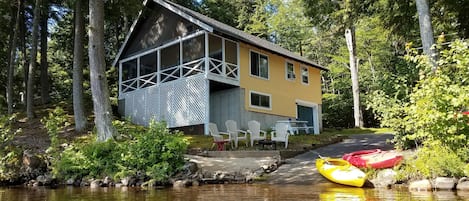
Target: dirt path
x: 302, y: 170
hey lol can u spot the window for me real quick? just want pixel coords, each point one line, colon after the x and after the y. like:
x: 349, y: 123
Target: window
x: 259, y: 100
x: 290, y: 69
x: 304, y: 75
x: 259, y: 65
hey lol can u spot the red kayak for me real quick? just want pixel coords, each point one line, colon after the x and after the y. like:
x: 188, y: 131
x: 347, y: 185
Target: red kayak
x: 373, y: 158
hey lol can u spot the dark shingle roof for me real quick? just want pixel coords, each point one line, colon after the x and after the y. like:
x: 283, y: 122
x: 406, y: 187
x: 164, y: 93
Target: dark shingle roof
x: 245, y: 37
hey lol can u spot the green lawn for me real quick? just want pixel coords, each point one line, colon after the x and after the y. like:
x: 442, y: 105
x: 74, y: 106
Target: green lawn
x: 295, y: 142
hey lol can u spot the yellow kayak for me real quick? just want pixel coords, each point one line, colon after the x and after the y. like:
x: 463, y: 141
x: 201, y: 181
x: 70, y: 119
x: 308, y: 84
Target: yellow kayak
x: 340, y: 171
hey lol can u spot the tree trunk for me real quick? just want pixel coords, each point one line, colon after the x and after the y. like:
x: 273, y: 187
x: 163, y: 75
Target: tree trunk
x: 32, y: 62
x: 78, y: 108
x: 426, y: 30
x: 99, y: 85
x: 25, y: 63
x: 350, y: 38
x: 45, y: 97
x: 11, y: 63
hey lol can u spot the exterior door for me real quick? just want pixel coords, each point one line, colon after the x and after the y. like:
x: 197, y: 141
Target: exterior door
x: 305, y: 114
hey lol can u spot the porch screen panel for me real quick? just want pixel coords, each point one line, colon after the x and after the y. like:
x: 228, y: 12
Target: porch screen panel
x: 148, y: 70
x: 231, y: 52
x: 170, y: 56
x: 129, y: 75
x: 231, y: 59
x: 193, y: 51
x: 214, y: 47
x: 169, y: 63
x: 193, y: 48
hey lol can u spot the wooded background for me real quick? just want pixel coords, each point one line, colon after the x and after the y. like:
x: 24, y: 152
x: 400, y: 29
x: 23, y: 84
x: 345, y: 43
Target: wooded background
x: 45, y: 47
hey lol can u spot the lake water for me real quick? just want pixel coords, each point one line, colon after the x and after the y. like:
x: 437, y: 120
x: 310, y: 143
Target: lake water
x: 223, y: 192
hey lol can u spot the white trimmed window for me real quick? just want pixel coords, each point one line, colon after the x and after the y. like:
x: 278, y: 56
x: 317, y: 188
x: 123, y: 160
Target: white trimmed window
x: 259, y: 65
x: 290, y: 71
x: 304, y: 75
x: 259, y: 100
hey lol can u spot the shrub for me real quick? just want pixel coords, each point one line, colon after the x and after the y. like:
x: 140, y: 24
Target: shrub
x: 154, y: 152
x: 96, y: 159
x: 9, y: 155
x: 158, y: 152
x: 432, y: 160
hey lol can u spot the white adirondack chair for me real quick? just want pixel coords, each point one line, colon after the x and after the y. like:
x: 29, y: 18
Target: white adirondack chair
x: 218, y: 136
x: 232, y: 129
x: 280, y: 134
x: 255, y: 131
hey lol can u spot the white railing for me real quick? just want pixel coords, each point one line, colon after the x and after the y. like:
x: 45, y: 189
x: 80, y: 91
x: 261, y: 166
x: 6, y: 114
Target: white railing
x: 193, y: 67
x: 128, y: 85
x: 221, y: 69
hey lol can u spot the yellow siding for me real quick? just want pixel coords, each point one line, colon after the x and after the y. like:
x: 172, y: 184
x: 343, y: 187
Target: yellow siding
x: 284, y: 93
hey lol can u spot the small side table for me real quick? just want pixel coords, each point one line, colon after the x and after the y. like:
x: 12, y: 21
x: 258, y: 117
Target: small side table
x: 271, y: 143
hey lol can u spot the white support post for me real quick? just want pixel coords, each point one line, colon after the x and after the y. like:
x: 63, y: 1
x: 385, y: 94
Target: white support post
x: 238, y: 65
x: 138, y: 73
x: 207, y: 59
x: 120, y: 79
x: 207, y: 106
x: 223, y: 66
x: 158, y: 67
x: 181, y: 60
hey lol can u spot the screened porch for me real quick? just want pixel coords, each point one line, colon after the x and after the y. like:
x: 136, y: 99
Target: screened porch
x: 198, y: 53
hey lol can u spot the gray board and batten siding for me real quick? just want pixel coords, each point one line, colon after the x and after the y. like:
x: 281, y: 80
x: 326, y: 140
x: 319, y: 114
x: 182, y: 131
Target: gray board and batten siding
x: 229, y: 104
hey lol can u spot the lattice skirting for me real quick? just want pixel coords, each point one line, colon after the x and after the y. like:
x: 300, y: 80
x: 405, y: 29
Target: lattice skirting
x: 180, y: 103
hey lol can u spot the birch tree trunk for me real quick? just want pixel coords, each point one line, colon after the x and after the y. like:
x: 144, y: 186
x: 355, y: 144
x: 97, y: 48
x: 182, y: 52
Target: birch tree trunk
x: 99, y: 85
x: 45, y: 97
x: 426, y: 30
x: 78, y: 108
x: 351, y: 46
x: 32, y: 62
x: 12, y: 56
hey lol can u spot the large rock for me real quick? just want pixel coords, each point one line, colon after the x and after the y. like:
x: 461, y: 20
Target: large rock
x: 384, y: 179
x: 420, y: 185
x: 463, y: 184
x: 96, y: 183
x: 445, y: 183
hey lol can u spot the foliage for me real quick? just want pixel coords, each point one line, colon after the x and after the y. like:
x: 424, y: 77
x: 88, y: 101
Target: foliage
x: 158, y: 152
x: 432, y: 160
x: 154, y: 152
x: 9, y: 155
x: 337, y: 111
x: 95, y: 159
x: 55, y: 123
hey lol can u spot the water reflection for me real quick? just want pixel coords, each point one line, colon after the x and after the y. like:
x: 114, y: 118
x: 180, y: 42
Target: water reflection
x: 261, y: 192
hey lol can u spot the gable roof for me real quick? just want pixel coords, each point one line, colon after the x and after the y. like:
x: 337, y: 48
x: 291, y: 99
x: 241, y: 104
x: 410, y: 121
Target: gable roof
x: 211, y: 25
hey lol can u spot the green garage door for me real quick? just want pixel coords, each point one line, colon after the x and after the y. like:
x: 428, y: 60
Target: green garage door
x: 305, y: 114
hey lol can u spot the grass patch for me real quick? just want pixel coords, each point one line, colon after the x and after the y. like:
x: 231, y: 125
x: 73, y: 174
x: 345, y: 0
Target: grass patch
x: 353, y: 131
x: 295, y: 142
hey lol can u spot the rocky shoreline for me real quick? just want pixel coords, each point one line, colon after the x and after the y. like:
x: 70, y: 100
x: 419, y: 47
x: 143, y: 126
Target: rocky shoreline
x: 234, y: 167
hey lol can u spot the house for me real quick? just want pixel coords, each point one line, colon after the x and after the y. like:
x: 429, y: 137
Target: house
x: 179, y: 66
